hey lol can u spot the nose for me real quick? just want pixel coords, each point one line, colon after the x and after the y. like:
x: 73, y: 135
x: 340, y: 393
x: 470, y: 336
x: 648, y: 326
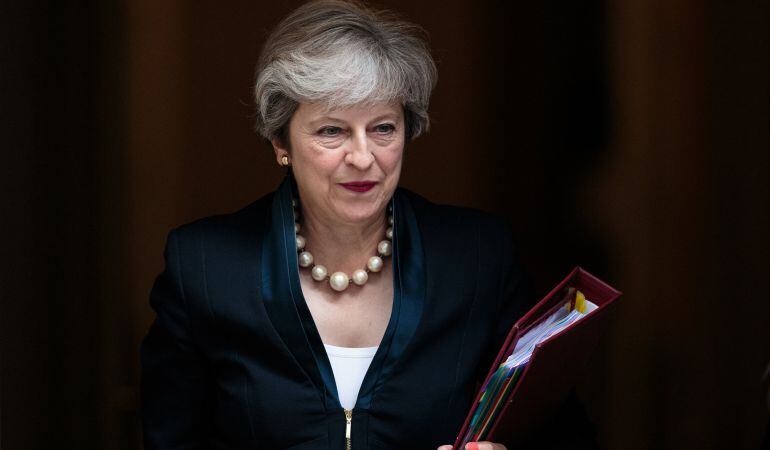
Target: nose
x: 359, y: 154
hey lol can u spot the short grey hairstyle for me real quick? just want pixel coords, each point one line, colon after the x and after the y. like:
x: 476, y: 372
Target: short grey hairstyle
x: 340, y: 54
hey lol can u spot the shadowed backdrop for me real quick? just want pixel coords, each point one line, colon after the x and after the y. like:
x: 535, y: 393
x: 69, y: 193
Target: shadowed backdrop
x: 629, y: 137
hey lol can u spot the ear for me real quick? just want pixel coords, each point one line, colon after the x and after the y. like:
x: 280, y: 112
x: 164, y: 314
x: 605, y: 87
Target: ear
x: 280, y: 149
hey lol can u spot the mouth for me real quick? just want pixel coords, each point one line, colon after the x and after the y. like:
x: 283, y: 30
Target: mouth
x: 359, y: 186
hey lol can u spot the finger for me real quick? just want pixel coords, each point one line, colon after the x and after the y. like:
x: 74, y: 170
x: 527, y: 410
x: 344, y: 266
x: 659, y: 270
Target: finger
x: 445, y: 447
x: 484, y: 445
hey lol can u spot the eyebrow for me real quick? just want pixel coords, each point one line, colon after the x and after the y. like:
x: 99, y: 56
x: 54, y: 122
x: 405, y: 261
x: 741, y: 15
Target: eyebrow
x: 391, y: 116
x: 320, y: 120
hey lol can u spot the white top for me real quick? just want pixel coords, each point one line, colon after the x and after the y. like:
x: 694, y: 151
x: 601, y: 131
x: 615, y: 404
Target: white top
x: 349, y: 365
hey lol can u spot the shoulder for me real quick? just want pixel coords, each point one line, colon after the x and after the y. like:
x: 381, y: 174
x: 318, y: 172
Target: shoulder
x: 246, y: 217
x: 457, y: 221
x: 223, y: 231
x: 217, y: 254
x: 459, y: 241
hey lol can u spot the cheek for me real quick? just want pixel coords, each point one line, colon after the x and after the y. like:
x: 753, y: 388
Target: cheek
x: 391, y: 158
x: 320, y: 162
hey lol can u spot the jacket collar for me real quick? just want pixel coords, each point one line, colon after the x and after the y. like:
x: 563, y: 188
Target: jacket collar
x: 286, y: 307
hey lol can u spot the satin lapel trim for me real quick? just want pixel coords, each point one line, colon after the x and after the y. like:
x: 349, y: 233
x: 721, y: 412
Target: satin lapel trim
x: 288, y: 311
x: 409, y: 287
x: 282, y: 296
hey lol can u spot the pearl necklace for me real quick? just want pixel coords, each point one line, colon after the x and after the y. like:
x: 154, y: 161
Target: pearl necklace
x: 339, y: 281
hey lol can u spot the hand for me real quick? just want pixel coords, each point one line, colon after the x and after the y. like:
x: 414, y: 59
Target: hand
x: 483, y: 445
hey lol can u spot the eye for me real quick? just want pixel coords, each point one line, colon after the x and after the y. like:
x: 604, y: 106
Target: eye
x: 329, y: 131
x: 385, y: 128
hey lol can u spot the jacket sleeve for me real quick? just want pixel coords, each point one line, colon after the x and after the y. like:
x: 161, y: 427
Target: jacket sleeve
x: 175, y: 379
x: 570, y: 428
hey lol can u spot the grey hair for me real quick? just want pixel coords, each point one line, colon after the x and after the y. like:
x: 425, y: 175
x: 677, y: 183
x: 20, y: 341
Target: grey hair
x: 340, y: 54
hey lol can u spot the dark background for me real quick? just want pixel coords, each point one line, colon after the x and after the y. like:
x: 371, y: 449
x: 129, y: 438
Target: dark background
x: 627, y: 136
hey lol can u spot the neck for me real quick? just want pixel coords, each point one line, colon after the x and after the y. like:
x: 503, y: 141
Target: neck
x: 342, y: 246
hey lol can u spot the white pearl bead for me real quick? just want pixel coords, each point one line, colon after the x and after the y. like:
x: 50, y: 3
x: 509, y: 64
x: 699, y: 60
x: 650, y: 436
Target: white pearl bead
x: 296, y: 227
x: 390, y: 220
x: 319, y: 273
x: 360, y: 276
x: 374, y: 264
x: 300, y: 242
x: 384, y: 248
x: 389, y: 233
x: 339, y: 281
x: 305, y: 259
x: 294, y: 202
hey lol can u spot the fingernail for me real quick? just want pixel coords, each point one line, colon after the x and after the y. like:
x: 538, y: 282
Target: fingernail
x: 471, y: 446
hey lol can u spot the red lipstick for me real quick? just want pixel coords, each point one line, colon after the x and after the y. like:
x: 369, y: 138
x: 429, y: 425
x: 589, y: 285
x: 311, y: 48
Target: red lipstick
x: 359, y: 186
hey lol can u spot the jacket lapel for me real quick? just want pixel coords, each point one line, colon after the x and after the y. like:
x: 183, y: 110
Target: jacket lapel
x: 286, y: 307
x: 408, y: 298
x: 282, y: 295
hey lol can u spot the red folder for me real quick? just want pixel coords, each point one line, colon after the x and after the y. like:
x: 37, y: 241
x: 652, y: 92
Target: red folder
x: 554, y: 365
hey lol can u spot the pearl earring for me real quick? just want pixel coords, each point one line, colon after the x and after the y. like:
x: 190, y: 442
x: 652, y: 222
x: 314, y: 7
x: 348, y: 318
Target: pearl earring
x: 285, y: 160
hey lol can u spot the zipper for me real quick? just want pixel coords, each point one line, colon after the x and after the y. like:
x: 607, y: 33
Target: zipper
x: 348, y: 424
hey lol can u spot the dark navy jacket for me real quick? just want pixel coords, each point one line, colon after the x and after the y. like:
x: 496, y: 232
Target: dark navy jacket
x: 234, y: 361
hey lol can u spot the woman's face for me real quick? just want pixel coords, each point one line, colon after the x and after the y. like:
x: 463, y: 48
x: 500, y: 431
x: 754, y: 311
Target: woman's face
x: 346, y: 162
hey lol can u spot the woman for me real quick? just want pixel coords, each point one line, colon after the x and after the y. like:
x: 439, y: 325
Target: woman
x: 340, y: 311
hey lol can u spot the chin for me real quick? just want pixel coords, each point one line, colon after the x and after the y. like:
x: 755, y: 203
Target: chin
x: 354, y: 214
